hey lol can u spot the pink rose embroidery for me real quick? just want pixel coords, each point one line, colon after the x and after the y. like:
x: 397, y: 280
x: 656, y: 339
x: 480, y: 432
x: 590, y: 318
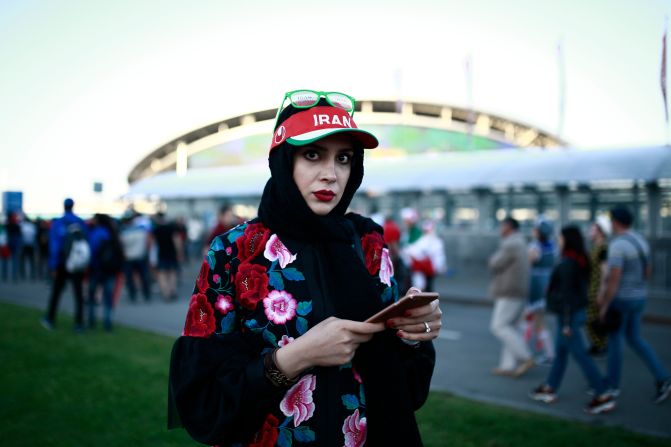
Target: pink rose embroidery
x: 224, y: 304
x: 216, y: 278
x: 276, y: 250
x: 386, y: 268
x: 229, y: 250
x: 355, y: 430
x: 285, y: 340
x: 298, y: 402
x: 279, y: 306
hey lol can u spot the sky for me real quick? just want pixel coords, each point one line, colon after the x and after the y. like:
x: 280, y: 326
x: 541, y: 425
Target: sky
x: 88, y: 88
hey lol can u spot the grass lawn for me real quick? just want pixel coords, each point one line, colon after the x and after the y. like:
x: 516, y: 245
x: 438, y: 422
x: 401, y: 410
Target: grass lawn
x: 62, y: 389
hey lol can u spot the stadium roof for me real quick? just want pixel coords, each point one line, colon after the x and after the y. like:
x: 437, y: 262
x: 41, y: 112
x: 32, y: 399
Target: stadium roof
x: 476, y: 124
x: 439, y: 171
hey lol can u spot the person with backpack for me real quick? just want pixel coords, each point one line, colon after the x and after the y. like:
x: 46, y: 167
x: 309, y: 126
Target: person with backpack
x: 107, y: 261
x: 626, y: 292
x: 69, y: 256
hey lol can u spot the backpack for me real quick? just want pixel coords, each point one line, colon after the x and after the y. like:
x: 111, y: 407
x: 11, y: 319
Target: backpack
x: 76, y: 250
x: 110, y: 257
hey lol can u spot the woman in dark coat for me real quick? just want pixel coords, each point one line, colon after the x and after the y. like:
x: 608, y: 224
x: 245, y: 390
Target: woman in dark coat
x: 567, y: 298
x: 275, y: 350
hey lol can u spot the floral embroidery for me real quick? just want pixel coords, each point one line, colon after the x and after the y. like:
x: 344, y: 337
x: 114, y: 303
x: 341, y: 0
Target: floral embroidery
x: 356, y: 375
x: 276, y: 250
x: 355, y: 430
x: 251, y: 284
x: 251, y: 264
x: 201, y: 281
x: 224, y: 304
x: 372, y: 245
x: 298, y: 401
x: 279, y: 306
x: 267, y: 436
x: 285, y: 340
x: 252, y: 242
x: 386, y: 267
x: 200, y: 321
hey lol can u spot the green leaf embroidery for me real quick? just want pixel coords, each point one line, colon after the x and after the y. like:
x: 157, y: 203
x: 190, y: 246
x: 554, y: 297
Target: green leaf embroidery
x: 211, y: 259
x: 285, y: 438
x: 292, y: 274
x: 269, y: 337
x: 228, y: 323
x: 304, y: 434
x: 301, y: 325
x: 304, y: 308
x: 275, y: 280
x: 350, y: 401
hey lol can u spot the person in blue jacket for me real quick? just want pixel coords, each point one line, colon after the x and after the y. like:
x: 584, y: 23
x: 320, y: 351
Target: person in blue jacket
x: 58, y: 235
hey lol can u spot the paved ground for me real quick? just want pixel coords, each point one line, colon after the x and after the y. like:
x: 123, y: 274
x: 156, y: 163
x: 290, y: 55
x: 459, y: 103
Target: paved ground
x: 466, y: 354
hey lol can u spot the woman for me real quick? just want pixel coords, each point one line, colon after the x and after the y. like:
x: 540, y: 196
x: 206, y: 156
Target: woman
x: 542, y: 254
x: 567, y: 298
x: 598, y: 258
x: 274, y: 349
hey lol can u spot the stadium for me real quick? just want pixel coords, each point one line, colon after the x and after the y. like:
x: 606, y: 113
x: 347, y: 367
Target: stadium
x: 466, y: 169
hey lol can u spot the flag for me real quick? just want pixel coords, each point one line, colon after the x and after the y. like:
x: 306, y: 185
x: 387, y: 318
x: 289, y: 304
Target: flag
x: 663, y: 78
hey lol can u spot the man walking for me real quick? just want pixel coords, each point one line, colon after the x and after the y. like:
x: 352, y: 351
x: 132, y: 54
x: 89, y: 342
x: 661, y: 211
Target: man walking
x: 509, y: 288
x: 626, y: 291
x: 68, y: 260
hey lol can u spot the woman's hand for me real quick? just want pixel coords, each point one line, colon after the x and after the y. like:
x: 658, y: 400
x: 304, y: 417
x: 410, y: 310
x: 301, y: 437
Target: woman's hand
x: 333, y: 342
x: 413, y: 326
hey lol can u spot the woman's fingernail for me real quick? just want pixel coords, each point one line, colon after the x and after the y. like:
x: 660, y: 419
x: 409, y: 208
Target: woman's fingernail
x: 408, y: 313
x: 390, y: 324
x: 399, y: 334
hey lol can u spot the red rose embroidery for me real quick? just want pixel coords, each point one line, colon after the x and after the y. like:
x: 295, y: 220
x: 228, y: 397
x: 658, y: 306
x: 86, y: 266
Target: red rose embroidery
x: 251, y: 284
x: 202, y: 280
x: 252, y: 242
x: 267, y: 436
x: 372, y: 245
x: 200, y: 321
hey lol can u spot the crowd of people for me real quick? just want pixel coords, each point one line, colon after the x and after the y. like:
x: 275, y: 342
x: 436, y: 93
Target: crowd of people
x: 600, y: 289
x: 101, y: 256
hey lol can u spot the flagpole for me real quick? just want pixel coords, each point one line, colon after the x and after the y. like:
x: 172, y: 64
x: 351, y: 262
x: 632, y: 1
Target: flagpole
x: 663, y: 78
x: 468, y: 69
x: 562, y: 89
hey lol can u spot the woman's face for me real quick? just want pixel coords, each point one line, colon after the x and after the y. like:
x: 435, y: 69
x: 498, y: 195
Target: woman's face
x: 321, y: 171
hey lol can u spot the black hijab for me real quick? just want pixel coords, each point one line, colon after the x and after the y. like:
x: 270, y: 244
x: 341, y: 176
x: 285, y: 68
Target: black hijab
x: 351, y: 289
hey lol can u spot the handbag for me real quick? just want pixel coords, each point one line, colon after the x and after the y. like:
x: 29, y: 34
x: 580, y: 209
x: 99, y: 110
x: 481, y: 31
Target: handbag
x: 610, y: 323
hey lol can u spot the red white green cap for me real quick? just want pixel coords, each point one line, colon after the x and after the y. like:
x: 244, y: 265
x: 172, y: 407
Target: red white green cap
x: 318, y: 122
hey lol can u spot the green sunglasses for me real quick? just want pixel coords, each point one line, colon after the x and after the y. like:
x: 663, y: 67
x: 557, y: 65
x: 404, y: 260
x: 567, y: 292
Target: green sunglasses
x: 304, y: 99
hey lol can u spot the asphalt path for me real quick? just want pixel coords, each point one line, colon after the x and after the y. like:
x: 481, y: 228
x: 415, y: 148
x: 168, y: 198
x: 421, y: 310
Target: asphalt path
x: 466, y: 353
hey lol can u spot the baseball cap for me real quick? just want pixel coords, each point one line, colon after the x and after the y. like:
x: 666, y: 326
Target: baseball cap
x: 313, y: 124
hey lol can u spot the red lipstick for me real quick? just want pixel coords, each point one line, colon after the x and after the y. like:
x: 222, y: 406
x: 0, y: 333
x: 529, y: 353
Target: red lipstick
x: 324, y: 195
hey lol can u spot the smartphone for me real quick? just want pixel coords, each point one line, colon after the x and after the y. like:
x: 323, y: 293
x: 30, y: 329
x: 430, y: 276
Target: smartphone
x: 398, y: 308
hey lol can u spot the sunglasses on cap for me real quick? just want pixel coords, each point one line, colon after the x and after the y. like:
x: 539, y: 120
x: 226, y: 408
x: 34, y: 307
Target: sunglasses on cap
x: 304, y: 99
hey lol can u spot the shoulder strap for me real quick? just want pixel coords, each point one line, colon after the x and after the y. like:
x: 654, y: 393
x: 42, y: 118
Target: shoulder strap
x: 641, y: 254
